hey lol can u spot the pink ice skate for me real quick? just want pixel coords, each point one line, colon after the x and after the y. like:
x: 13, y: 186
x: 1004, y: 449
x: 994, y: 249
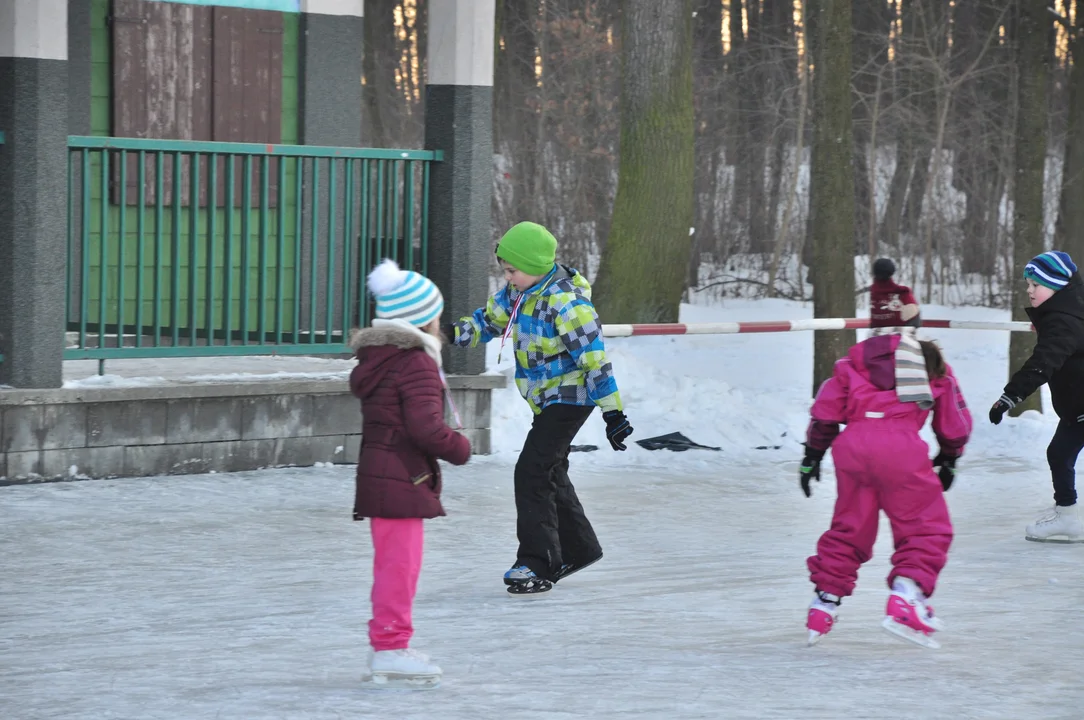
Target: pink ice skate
x: 908, y: 616
x: 823, y: 613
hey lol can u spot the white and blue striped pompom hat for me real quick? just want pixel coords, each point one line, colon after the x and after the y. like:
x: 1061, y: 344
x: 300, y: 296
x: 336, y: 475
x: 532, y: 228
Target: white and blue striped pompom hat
x: 1052, y: 269
x: 404, y: 295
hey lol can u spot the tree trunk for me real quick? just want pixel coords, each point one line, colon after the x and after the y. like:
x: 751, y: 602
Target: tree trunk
x: 833, y: 178
x: 1069, y: 233
x: 1032, y: 69
x: 379, y: 60
x: 975, y: 169
x: 738, y: 69
x: 862, y: 194
x: 781, y: 61
x: 916, y: 192
x: 905, y: 143
x: 642, y: 274
x: 519, y: 110
x: 756, y: 125
x: 708, y: 74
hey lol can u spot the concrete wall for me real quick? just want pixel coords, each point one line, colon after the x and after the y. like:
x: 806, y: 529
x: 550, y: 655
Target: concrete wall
x: 106, y: 432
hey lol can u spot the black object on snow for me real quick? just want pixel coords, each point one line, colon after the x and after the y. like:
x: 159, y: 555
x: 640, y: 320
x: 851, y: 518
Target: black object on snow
x: 674, y: 441
x: 582, y: 448
x: 771, y: 447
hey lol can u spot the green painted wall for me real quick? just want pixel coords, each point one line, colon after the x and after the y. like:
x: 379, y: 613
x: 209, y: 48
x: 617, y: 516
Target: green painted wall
x: 173, y: 242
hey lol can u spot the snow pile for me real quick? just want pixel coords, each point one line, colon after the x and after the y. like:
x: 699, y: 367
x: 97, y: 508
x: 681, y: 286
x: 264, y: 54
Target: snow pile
x: 748, y: 392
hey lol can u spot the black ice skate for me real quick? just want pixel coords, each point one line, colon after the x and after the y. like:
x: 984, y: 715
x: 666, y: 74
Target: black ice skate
x: 569, y: 568
x: 521, y: 580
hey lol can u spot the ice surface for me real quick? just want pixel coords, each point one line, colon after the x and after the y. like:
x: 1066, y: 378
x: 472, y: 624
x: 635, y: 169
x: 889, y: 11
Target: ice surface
x: 246, y: 596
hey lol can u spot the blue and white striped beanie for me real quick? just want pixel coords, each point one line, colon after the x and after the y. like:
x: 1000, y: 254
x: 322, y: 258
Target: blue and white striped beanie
x: 404, y: 295
x: 1051, y: 269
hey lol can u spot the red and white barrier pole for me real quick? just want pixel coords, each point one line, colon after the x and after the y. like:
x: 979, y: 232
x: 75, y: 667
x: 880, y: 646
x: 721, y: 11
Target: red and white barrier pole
x: 729, y: 328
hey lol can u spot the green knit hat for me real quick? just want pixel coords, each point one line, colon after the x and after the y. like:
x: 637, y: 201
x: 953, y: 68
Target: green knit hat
x: 528, y: 247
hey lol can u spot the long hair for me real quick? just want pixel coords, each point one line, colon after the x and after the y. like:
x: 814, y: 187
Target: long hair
x: 935, y: 362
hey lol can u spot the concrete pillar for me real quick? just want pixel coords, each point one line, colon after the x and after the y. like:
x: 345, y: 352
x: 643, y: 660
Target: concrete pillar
x: 33, y: 190
x: 459, y: 121
x: 330, y: 83
x: 329, y: 105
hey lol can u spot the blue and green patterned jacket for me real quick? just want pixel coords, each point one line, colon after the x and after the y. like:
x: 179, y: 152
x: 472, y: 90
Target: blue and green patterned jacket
x: 557, y: 339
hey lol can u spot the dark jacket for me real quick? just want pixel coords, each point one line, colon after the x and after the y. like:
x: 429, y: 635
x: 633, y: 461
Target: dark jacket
x: 892, y: 305
x: 403, y: 428
x: 1058, y: 357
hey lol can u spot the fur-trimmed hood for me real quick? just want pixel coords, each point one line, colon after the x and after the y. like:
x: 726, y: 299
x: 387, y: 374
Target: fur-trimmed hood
x: 397, y: 333
x: 377, y: 347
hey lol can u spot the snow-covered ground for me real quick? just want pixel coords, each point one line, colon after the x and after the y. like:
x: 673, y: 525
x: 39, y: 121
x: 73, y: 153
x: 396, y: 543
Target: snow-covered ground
x: 246, y: 595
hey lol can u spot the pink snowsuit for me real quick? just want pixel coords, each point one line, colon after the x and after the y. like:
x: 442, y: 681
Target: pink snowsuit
x: 883, y: 464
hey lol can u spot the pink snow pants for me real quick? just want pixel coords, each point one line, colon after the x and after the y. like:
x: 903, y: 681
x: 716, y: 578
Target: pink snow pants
x: 883, y: 465
x: 397, y: 561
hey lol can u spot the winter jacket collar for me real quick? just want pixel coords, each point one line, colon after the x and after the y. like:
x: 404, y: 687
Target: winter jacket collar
x: 397, y: 333
x: 1068, y: 300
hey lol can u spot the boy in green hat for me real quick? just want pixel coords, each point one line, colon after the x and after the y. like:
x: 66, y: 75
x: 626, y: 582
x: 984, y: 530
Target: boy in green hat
x: 562, y: 372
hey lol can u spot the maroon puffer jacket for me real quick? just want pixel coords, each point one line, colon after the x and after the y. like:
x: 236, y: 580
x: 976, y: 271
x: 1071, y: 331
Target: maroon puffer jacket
x: 403, y: 428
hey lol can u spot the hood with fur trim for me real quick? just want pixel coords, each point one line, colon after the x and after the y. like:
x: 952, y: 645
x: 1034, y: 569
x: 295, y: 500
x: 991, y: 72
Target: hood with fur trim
x: 378, y: 346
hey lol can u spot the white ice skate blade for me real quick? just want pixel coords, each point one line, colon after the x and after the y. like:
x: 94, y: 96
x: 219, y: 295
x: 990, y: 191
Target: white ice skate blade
x: 1056, y: 540
x: 395, y: 681
x: 902, y: 631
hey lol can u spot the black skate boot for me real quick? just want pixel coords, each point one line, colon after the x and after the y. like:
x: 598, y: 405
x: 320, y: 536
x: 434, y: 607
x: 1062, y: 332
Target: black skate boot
x: 569, y: 568
x: 521, y: 580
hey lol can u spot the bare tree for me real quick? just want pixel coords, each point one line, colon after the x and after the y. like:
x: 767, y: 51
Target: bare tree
x: 832, y: 176
x: 642, y: 274
x: 1069, y: 233
x: 1031, y: 120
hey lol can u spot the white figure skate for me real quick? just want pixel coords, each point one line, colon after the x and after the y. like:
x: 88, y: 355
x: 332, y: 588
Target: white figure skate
x: 1062, y: 524
x: 404, y: 668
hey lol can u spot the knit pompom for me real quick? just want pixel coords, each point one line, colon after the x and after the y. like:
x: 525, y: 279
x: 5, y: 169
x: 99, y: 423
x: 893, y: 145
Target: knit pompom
x: 386, y: 277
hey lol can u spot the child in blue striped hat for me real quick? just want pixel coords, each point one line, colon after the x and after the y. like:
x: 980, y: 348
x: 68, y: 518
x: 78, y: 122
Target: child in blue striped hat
x: 1057, y: 312
x: 399, y: 381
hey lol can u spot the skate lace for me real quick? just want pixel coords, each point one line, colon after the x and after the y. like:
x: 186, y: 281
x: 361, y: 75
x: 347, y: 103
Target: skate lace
x: 1048, y: 516
x: 1051, y: 519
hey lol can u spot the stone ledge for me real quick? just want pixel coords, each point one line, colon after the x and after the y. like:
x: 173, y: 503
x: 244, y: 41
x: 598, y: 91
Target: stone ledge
x: 33, y: 466
x: 179, y: 391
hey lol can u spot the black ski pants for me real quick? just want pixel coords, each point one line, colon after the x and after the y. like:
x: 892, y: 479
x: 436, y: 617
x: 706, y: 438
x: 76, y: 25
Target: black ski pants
x: 1062, y: 454
x: 550, y: 522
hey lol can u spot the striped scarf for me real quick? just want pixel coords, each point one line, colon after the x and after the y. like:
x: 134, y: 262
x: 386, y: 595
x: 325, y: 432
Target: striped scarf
x: 912, y: 382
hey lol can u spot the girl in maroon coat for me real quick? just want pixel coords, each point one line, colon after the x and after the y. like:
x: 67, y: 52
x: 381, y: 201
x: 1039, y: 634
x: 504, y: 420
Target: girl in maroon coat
x: 400, y: 384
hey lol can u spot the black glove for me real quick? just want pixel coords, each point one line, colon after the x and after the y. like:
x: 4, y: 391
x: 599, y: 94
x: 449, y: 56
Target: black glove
x: 617, y: 428
x: 1002, y: 406
x: 810, y: 469
x: 946, y: 469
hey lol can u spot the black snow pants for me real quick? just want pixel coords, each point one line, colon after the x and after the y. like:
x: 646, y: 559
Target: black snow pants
x: 550, y: 522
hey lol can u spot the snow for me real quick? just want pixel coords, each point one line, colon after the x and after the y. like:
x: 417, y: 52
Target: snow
x: 245, y: 595
x: 132, y: 372
x: 744, y: 391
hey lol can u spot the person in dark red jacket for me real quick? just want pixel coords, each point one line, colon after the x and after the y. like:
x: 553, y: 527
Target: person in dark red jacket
x: 891, y: 305
x: 401, y: 387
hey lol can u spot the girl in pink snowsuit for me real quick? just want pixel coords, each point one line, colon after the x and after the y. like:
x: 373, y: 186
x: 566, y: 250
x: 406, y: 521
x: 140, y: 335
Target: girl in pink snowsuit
x: 883, y: 391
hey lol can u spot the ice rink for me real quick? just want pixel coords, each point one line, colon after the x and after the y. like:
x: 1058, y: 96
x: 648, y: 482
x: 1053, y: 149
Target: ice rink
x: 246, y: 597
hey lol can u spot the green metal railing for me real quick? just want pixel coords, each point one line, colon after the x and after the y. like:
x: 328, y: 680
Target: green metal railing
x: 179, y: 248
